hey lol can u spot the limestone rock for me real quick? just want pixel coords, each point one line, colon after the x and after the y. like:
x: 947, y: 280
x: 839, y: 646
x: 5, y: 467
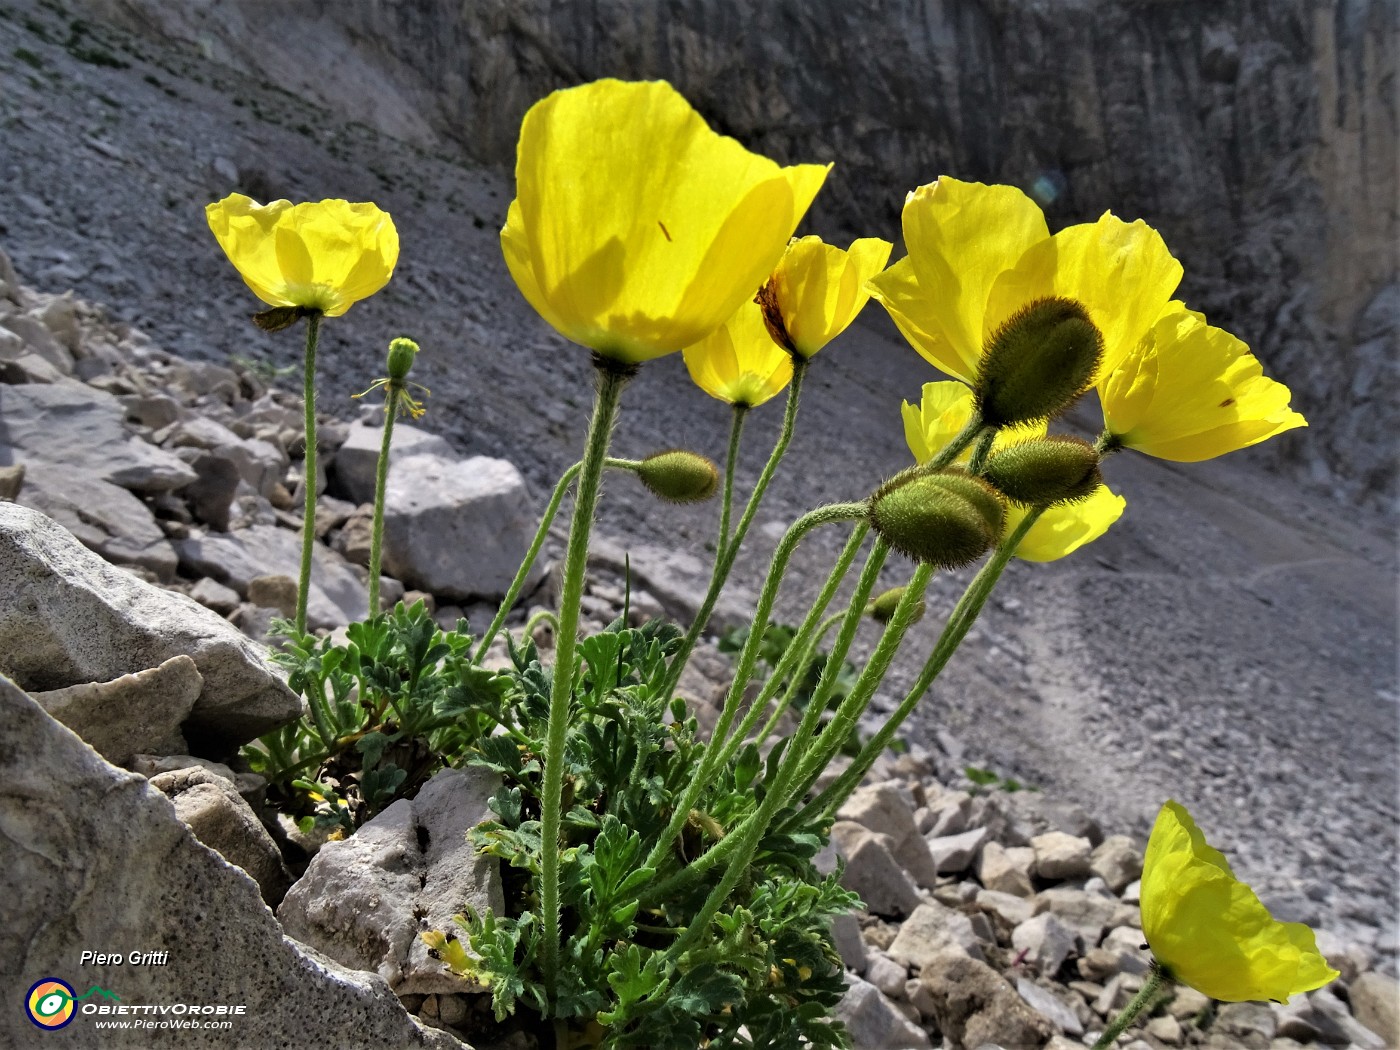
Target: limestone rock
x: 932, y: 930
x: 1050, y: 1006
x: 1087, y: 914
x: 214, y: 595
x: 1118, y: 861
x: 132, y: 714
x: 92, y: 856
x: 249, y: 785
x: 873, y: 1022
x: 974, y: 1005
x: 365, y: 900
x: 956, y: 853
x: 336, y: 596
x: 1046, y: 941
x: 67, y: 617
x: 70, y: 423
x: 845, y: 934
x: 1375, y: 1002
x: 356, y: 461
x: 1061, y: 856
x: 872, y: 872
x: 221, y: 818
x: 457, y: 528
x: 1007, y: 870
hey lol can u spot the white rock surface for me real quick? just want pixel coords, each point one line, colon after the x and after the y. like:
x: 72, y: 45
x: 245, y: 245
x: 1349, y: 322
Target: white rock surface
x: 874, y: 1022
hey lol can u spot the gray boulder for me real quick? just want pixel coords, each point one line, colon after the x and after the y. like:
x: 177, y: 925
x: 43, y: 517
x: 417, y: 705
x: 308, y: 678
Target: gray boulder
x: 364, y: 901
x: 67, y: 617
x: 356, y: 461
x: 73, y: 423
x: 93, y: 858
x: 874, y: 1022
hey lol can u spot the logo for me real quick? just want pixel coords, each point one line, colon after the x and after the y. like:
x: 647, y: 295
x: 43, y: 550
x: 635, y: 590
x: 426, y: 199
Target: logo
x: 50, y: 1003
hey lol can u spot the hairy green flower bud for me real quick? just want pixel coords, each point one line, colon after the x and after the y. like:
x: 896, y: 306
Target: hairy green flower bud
x: 946, y: 519
x: 1038, y: 362
x: 882, y: 606
x: 401, y: 354
x: 679, y: 476
x: 1046, y: 471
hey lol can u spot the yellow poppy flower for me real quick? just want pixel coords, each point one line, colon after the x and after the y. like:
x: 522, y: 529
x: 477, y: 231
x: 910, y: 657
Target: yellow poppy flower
x: 636, y: 229
x: 324, y: 256
x: 1190, y: 392
x: 978, y: 255
x: 817, y: 290
x: 1209, y: 929
x: 739, y: 362
x: 944, y: 410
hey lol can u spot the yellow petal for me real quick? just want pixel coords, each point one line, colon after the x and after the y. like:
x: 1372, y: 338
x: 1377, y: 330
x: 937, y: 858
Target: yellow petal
x: 1064, y: 529
x: 1210, y: 930
x: 739, y: 362
x: 1190, y: 392
x: 641, y: 228
x: 1121, y: 272
x: 960, y: 236
x: 943, y: 411
x: 820, y: 289
x: 324, y: 255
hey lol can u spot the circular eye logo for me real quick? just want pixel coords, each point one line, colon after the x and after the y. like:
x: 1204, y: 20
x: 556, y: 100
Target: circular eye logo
x: 50, y: 1003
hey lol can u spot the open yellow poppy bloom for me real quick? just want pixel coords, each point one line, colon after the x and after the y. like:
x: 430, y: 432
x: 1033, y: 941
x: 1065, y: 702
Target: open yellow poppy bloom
x: 739, y: 362
x: 636, y: 229
x: 817, y: 290
x: 324, y: 255
x: 1209, y: 929
x: 1190, y: 391
x: 944, y: 410
x: 980, y: 254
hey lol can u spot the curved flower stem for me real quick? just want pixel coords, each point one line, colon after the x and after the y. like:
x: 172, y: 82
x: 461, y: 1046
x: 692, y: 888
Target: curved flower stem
x: 523, y: 573
x: 308, y: 523
x: 1157, y: 980
x: 799, y: 670
x: 748, y: 656
x: 381, y: 483
x: 776, y: 792
x: 960, y: 621
x: 724, y: 557
x: 979, y: 454
x: 610, y: 382
x: 731, y: 460
x: 794, y: 661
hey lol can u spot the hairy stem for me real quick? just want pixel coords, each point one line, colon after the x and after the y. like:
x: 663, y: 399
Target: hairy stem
x: 308, y: 523
x: 381, y: 483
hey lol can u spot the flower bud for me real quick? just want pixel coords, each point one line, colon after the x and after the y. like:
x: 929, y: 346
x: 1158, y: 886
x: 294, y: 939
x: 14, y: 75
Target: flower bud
x: 1046, y: 471
x: 946, y: 519
x: 679, y: 476
x: 882, y: 606
x: 1038, y: 363
x: 401, y: 354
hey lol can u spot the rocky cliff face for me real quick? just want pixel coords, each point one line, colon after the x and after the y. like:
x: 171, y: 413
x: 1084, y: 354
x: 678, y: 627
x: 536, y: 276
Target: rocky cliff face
x: 1258, y: 135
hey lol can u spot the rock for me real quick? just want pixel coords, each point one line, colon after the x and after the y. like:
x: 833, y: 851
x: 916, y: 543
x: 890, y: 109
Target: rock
x: 355, y: 536
x: 883, y: 808
x: 872, y: 872
x: 1118, y: 861
x: 1346, y: 957
x: 1375, y: 1002
x: 105, y: 518
x: 249, y: 785
x: 221, y: 818
x: 274, y: 592
x: 259, y: 463
x: 973, y: 1005
x: 67, y: 617
x: 1049, y: 1006
x: 11, y: 480
x: 65, y: 423
x: 949, y: 814
x: 92, y: 856
x: 336, y: 597
x: 214, y: 595
x: 156, y: 411
x: 933, y: 929
x: 459, y: 529
x: 356, y: 461
x: 1087, y: 914
x: 845, y: 934
x: 874, y: 1023
x: 1061, y: 856
x: 1167, y: 1029
x: 1032, y: 813
x: 1007, y: 907
x: 1251, y: 1024
x: 132, y: 714
x: 887, y: 975
x: 1046, y: 941
x: 365, y: 900
x: 1351, y: 1031
x: 1186, y: 1003
x: 956, y: 853
x: 38, y: 340
x: 213, y: 493
x: 1006, y: 869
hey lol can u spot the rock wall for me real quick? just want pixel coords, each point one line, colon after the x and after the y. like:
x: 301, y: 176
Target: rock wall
x: 1259, y: 135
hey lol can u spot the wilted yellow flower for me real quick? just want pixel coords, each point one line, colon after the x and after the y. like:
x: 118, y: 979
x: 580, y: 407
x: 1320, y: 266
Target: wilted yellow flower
x: 1190, y: 391
x: 817, y: 290
x: 980, y: 254
x: 636, y: 229
x: 739, y: 362
x: 324, y: 255
x: 1209, y: 929
x: 944, y: 410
